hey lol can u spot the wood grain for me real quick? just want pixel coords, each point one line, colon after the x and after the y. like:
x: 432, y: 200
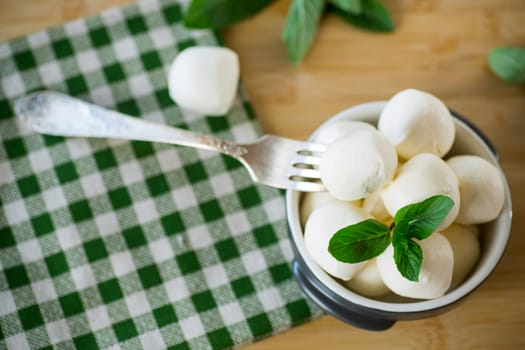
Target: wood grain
x: 439, y: 46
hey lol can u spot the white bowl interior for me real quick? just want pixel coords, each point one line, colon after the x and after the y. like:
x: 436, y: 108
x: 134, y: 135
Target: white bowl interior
x: 493, y: 236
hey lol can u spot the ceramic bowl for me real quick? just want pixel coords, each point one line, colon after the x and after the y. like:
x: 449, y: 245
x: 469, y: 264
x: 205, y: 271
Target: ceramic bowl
x: 375, y: 314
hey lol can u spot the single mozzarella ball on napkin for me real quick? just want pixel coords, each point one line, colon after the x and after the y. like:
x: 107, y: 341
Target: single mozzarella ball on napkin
x: 417, y: 122
x: 465, y: 246
x: 419, y: 178
x: 322, y: 224
x: 357, y: 164
x: 333, y: 131
x: 368, y: 282
x: 203, y: 79
x: 313, y: 200
x: 481, y: 189
x: 435, y: 275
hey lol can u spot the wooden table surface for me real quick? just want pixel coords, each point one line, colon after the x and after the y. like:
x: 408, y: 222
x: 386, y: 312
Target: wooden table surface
x: 439, y: 46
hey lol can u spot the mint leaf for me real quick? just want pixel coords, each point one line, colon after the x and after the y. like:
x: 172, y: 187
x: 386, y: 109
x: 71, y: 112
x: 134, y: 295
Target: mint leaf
x: 374, y: 16
x: 352, y: 6
x: 508, y: 63
x: 408, y: 256
x: 421, y: 219
x: 218, y: 14
x: 301, y: 26
x: 369, y: 238
x: 359, y: 242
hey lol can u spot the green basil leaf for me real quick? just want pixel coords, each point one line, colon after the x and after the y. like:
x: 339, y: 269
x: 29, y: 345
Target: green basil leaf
x: 218, y: 14
x: 359, y: 242
x: 301, y: 26
x: 421, y: 219
x: 352, y: 6
x: 374, y: 16
x: 408, y: 256
x: 508, y: 63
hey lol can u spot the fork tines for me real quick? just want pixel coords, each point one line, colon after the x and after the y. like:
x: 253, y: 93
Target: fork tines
x: 305, y: 167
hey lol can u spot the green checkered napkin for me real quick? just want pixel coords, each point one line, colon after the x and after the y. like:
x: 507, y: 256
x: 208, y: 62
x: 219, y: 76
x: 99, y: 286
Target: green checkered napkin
x: 108, y: 243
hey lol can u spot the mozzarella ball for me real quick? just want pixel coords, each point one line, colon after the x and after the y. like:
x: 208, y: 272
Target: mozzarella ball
x: 481, y: 189
x: 368, y: 282
x: 421, y: 177
x: 322, y: 224
x: 203, y: 79
x: 357, y: 164
x: 332, y: 131
x: 435, y: 275
x: 312, y: 200
x: 373, y: 204
x: 474, y: 229
x: 466, y: 249
x: 417, y: 122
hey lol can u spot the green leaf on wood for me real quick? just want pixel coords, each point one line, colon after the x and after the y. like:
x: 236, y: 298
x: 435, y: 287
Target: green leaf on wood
x: 352, y: 6
x: 301, y: 26
x: 374, y: 16
x: 218, y: 14
x: 508, y: 63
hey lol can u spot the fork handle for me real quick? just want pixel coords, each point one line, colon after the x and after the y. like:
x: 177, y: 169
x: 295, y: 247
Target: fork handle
x: 53, y: 113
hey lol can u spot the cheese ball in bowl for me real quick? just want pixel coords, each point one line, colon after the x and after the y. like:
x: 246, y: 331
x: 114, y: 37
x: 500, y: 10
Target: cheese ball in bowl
x: 417, y: 122
x: 357, y: 164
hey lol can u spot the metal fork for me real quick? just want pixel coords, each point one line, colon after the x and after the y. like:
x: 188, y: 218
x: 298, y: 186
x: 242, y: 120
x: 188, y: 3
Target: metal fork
x: 271, y: 160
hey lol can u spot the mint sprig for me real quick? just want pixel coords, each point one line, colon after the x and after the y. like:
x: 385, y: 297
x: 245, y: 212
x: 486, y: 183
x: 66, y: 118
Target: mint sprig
x: 369, y: 238
x: 302, y: 21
